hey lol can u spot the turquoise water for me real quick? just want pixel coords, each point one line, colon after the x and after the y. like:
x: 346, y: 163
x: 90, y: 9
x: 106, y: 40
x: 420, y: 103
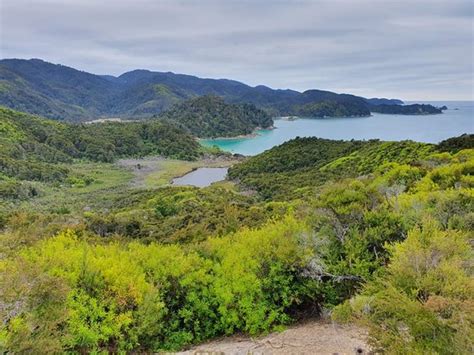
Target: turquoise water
x: 201, y: 177
x: 430, y: 128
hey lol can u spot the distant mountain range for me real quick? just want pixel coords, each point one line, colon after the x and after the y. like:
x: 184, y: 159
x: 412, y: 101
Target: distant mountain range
x: 63, y: 93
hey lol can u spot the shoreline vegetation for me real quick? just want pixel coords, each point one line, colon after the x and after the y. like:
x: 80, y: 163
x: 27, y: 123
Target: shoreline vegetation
x: 294, y: 118
x: 210, y: 116
x: 409, y: 110
x: 412, y: 109
x: 241, y: 136
x: 156, y: 171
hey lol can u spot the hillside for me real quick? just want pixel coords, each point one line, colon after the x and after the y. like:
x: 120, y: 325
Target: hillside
x: 63, y: 93
x: 413, y: 109
x: 383, y: 101
x: 35, y: 148
x: 331, y: 109
x: 210, y: 116
x: 91, y: 263
x: 301, y: 165
x: 53, y: 91
x: 235, y: 177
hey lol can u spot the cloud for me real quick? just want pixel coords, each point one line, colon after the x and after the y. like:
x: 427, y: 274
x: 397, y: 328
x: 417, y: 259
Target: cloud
x: 408, y: 49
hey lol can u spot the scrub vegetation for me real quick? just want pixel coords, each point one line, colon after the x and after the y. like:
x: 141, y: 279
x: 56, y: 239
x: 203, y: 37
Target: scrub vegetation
x: 374, y: 233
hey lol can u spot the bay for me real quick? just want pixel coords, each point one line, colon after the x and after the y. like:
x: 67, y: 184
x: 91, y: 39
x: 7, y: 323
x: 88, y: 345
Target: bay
x: 458, y: 119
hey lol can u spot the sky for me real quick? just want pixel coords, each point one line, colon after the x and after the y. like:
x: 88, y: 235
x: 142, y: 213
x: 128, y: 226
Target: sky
x: 413, y: 50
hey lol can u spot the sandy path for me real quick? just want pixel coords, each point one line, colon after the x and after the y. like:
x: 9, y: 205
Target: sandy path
x: 309, y: 338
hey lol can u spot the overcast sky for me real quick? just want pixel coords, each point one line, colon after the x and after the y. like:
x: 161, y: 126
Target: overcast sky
x: 414, y: 50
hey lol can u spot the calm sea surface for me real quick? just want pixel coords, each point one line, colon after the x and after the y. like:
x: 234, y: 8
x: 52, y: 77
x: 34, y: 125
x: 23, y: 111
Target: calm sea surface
x: 458, y: 119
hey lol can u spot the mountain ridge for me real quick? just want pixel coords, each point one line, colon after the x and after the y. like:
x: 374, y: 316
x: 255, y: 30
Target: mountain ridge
x: 61, y: 92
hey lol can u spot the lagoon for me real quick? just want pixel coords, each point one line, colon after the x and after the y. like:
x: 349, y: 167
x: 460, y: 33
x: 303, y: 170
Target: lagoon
x: 458, y: 119
x: 201, y: 177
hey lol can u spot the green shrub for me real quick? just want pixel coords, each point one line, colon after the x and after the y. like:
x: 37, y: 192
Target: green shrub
x: 132, y: 296
x: 423, y: 303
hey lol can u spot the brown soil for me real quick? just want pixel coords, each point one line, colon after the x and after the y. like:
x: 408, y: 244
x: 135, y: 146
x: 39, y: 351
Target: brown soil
x: 314, y: 337
x: 147, y: 166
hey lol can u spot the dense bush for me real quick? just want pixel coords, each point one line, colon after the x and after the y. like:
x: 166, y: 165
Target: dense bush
x: 30, y: 146
x: 182, y: 214
x: 455, y: 144
x: 328, y: 108
x: 423, y: 303
x: 298, y: 166
x: 413, y: 109
x: 389, y: 221
x: 210, y: 116
x: 74, y: 295
x: 13, y: 189
x: 108, y: 141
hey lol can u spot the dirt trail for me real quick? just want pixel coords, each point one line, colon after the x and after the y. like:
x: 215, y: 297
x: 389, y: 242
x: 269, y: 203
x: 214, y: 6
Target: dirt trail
x: 309, y: 338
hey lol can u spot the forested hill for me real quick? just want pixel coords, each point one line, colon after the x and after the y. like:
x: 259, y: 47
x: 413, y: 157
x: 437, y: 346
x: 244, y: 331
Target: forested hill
x: 53, y: 91
x: 383, y: 101
x: 413, y: 109
x: 64, y: 93
x: 371, y: 233
x: 31, y: 147
x: 210, y: 116
x: 298, y: 167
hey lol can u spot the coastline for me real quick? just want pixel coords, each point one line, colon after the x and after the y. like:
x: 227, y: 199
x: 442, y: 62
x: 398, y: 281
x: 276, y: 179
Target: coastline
x: 294, y: 118
x: 240, y: 136
x: 409, y: 114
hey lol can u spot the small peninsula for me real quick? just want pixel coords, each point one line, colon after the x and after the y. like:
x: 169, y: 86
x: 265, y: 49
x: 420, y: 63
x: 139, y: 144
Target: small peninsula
x: 414, y: 109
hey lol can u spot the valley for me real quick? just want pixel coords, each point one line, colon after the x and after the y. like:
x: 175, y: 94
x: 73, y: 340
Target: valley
x: 236, y: 177
x: 95, y: 234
